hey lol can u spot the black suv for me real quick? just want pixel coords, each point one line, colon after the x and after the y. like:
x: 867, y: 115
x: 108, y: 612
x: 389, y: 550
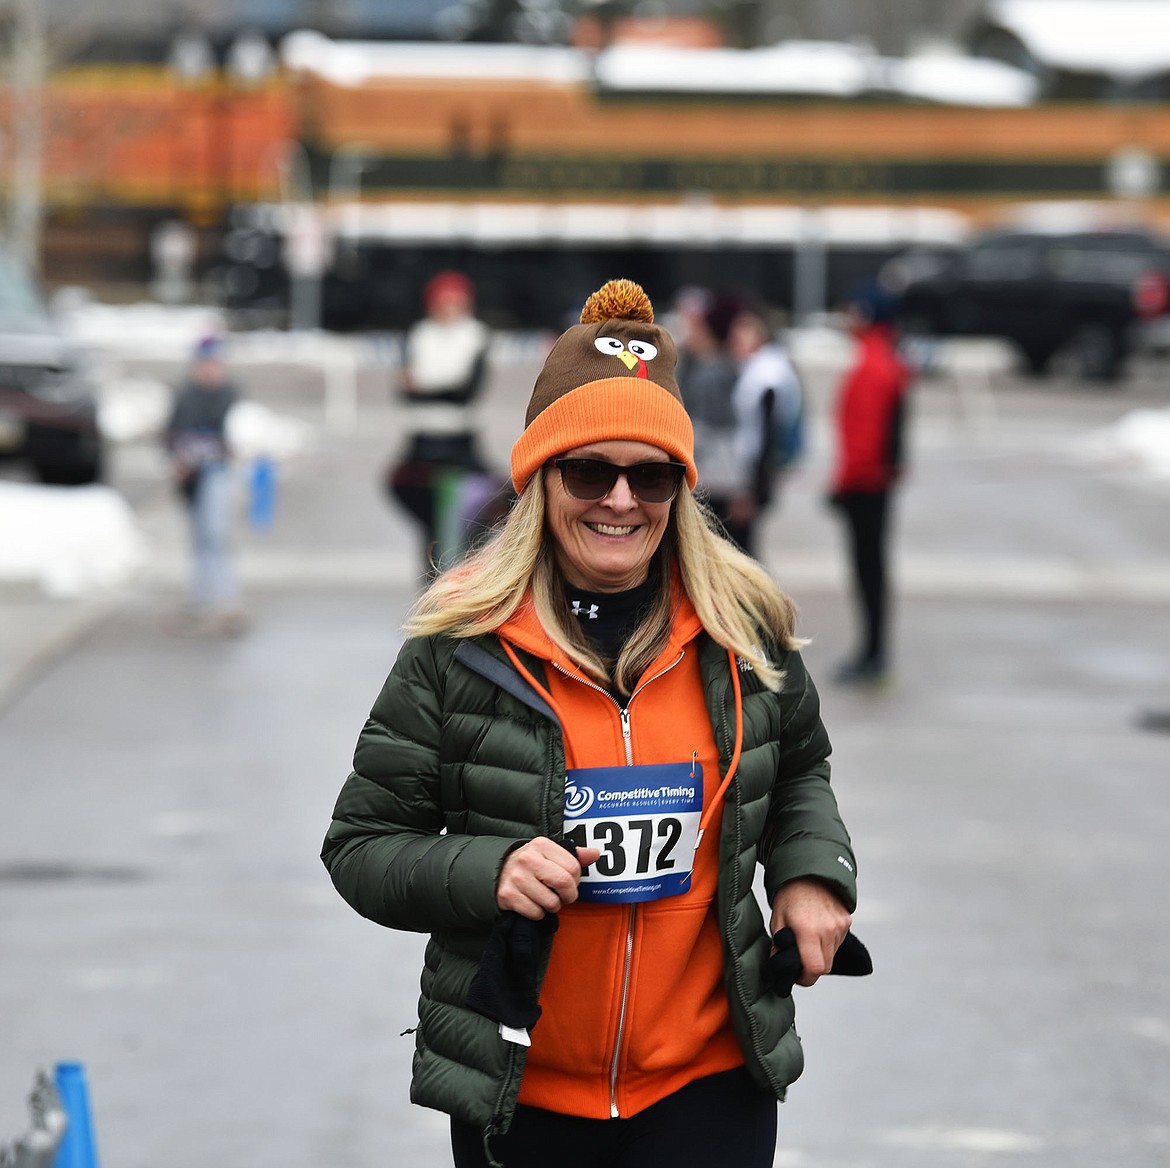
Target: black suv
x: 48, y: 405
x: 1084, y: 295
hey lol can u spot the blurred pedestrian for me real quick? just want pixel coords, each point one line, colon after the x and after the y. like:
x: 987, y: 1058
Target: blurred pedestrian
x: 870, y: 422
x: 768, y: 402
x: 196, y: 440
x: 706, y: 380
x: 440, y: 478
x: 600, y: 984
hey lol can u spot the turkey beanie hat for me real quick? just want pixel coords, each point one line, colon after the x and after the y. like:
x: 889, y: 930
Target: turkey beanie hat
x: 609, y: 378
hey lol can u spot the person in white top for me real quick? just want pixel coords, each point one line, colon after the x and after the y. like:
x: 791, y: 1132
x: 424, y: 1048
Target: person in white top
x: 768, y: 404
x: 441, y: 478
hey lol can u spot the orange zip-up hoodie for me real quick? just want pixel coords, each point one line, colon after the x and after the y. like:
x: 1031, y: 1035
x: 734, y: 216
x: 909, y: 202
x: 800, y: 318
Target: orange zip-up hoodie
x: 634, y: 1005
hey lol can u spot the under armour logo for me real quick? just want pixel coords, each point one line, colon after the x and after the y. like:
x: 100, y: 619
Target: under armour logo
x: 591, y: 612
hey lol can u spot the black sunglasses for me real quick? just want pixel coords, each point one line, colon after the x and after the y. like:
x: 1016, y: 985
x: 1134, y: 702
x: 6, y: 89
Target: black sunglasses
x: 591, y: 479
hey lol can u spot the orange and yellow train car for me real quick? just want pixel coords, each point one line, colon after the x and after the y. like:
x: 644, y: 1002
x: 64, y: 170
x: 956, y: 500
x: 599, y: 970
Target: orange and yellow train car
x: 125, y: 146
x: 559, y: 138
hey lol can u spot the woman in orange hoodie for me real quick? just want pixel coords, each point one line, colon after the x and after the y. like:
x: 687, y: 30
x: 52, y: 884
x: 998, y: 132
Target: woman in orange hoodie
x: 598, y: 728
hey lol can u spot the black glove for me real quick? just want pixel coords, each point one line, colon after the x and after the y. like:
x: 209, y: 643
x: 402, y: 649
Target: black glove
x: 504, y: 987
x: 851, y: 960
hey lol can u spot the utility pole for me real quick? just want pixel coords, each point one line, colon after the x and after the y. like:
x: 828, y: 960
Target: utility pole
x: 27, y: 131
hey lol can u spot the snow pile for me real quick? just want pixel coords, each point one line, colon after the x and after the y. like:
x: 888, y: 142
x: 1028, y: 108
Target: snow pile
x: 136, y: 409
x: 68, y: 540
x: 955, y: 80
x: 1138, y: 441
x: 358, y: 62
x: 160, y: 332
x: 144, y: 330
x: 829, y: 68
x: 255, y: 431
x: 821, y: 67
x: 133, y: 408
x: 1124, y: 38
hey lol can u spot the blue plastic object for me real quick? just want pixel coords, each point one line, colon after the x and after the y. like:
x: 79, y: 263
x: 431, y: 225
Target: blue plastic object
x: 262, y: 494
x: 78, y: 1148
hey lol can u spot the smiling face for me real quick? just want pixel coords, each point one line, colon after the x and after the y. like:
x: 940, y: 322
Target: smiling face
x: 607, y: 545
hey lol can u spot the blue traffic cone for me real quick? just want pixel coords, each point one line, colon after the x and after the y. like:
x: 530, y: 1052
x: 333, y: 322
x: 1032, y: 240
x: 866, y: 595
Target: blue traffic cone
x: 78, y: 1147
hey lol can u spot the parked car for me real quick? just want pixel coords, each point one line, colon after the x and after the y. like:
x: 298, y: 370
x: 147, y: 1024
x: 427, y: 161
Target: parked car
x: 1084, y: 296
x: 48, y: 404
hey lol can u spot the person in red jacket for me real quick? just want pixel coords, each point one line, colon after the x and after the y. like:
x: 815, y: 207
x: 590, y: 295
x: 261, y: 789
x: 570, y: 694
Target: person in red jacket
x: 870, y: 423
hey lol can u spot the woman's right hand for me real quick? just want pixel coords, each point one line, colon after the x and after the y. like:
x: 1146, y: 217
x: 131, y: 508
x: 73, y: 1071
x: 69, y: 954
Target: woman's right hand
x: 541, y: 877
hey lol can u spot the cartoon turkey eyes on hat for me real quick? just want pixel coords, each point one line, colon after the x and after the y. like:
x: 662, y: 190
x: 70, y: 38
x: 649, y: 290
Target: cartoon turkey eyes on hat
x: 631, y: 353
x: 615, y: 346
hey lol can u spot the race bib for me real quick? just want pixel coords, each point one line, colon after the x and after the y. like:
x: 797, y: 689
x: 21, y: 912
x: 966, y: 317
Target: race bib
x: 645, y: 820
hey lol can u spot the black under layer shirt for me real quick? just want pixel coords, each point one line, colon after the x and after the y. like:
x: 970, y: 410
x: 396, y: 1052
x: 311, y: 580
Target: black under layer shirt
x: 608, y: 619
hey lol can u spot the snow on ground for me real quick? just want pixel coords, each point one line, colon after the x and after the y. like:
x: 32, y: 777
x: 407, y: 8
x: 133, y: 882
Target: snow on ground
x: 255, y: 431
x: 144, y: 330
x: 67, y: 540
x: 132, y: 408
x: 70, y: 541
x: 1137, y: 442
x: 148, y: 331
x: 136, y: 409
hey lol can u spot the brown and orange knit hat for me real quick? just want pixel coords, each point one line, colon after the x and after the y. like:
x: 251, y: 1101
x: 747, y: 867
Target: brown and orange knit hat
x: 609, y: 378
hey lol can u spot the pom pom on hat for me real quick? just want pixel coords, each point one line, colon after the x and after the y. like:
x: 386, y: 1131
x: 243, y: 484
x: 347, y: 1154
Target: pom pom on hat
x: 618, y: 300
x: 609, y: 378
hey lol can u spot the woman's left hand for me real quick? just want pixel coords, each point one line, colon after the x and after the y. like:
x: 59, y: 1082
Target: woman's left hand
x: 818, y: 920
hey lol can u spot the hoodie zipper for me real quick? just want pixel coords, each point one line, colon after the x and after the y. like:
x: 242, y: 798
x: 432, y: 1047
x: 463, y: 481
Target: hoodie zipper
x: 627, y: 742
x: 621, y: 1026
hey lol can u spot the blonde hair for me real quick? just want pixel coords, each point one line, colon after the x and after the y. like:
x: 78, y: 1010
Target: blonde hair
x: 736, y: 600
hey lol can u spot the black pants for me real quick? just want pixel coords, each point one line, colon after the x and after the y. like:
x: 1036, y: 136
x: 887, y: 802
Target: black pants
x: 866, y: 515
x: 421, y: 483
x: 721, y: 1121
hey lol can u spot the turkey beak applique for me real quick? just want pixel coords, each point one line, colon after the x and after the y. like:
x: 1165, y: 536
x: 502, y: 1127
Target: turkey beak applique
x: 632, y: 362
x: 632, y: 354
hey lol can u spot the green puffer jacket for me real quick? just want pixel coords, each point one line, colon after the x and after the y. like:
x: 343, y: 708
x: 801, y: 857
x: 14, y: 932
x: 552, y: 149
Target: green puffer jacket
x: 461, y: 760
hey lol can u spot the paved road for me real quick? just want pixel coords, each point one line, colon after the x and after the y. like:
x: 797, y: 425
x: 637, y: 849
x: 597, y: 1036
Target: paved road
x: 163, y: 916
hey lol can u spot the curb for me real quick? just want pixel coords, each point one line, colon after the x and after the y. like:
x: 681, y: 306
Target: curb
x: 24, y: 668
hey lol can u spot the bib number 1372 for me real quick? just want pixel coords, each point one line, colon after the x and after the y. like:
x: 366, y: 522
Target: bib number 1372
x: 631, y: 847
x: 645, y: 822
